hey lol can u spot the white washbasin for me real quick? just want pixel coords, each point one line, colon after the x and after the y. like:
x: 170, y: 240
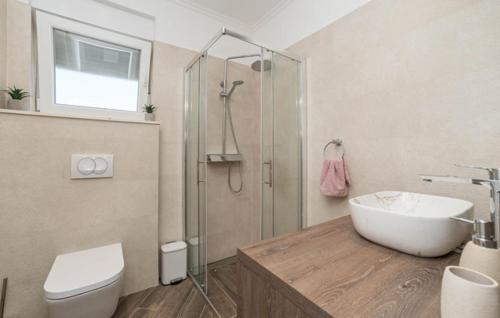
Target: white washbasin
x: 413, y: 223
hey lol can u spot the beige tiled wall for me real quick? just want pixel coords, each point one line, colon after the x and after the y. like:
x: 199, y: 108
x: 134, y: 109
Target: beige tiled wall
x: 412, y: 87
x: 43, y: 212
x: 18, y: 46
x: 168, y: 95
x: 135, y: 220
x: 3, y: 49
x: 233, y: 219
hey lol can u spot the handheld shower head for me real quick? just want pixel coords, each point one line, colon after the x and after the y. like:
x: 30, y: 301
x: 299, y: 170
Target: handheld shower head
x: 227, y: 94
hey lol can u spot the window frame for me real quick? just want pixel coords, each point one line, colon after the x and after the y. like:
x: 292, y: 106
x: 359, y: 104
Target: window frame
x: 46, y: 23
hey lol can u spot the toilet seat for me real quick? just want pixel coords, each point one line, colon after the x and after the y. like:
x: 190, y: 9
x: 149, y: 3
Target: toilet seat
x: 83, y: 271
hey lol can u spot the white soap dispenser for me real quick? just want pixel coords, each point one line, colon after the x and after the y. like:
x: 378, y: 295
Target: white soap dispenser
x: 482, y: 253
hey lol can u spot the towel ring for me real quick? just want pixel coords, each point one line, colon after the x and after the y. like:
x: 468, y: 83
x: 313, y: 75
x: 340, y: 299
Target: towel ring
x: 338, y: 143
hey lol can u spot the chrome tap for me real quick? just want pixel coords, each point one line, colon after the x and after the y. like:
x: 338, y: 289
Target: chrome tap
x: 493, y: 174
x: 486, y: 232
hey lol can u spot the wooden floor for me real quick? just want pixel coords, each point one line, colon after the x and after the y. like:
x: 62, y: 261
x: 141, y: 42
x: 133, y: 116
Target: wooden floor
x: 184, y: 300
x: 222, y: 286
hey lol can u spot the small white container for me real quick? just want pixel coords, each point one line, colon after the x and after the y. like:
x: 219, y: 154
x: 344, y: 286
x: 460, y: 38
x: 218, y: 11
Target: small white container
x: 467, y: 293
x: 173, y: 262
x: 482, y: 259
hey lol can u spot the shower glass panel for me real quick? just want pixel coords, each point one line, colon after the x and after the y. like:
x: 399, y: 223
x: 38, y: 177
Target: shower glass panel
x: 281, y: 147
x: 195, y: 170
x: 233, y: 168
x: 287, y: 172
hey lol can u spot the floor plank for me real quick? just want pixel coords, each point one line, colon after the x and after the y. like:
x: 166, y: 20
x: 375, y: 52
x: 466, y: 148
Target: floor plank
x: 127, y: 305
x: 185, y: 300
x: 174, y: 298
x: 193, y: 306
x: 142, y: 313
x: 208, y: 312
x: 222, y: 302
x: 224, y: 272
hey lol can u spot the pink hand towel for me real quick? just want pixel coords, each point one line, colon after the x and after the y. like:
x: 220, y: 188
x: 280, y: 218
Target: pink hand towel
x: 334, y: 179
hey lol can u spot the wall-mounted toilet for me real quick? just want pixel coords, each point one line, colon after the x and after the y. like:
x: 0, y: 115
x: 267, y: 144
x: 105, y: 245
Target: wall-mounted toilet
x: 86, y: 283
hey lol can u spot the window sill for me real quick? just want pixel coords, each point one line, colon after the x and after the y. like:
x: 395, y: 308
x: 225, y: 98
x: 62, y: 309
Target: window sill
x: 31, y: 113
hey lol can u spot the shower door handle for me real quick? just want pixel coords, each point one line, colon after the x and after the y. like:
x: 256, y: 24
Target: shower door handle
x: 198, y: 173
x: 270, y: 179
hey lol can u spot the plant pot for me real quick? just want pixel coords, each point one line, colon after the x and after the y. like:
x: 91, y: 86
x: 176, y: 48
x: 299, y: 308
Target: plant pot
x: 466, y: 293
x: 149, y: 116
x: 17, y: 104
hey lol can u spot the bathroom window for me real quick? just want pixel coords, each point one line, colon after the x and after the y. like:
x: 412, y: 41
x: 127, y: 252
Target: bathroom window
x: 85, y: 70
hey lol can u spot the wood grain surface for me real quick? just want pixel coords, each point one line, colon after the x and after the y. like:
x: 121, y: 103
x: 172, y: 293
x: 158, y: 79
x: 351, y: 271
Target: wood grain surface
x: 185, y: 300
x: 329, y: 270
x: 222, y: 282
x: 175, y: 301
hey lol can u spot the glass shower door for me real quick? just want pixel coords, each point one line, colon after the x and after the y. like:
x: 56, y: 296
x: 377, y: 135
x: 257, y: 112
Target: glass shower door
x: 281, y: 147
x: 195, y: 170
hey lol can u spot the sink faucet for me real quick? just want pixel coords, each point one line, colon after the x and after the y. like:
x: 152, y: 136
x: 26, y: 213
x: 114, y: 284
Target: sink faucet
x: 493, y: 174
x: 487, y: 233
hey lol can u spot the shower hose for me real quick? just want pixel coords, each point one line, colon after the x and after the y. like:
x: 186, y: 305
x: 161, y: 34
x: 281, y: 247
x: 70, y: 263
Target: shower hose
x: 229, y: 168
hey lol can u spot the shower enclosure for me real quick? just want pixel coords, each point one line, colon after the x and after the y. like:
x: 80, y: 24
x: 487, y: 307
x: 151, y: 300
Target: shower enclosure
x: 243, y: 148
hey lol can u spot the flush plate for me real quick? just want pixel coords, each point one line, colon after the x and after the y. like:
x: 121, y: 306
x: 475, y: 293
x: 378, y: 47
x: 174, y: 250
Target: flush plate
x: 89, y: 166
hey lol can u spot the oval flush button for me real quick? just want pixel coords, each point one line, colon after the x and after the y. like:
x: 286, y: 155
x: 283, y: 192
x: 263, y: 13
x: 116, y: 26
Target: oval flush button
x: 86, y: 166
x: 101, y: 165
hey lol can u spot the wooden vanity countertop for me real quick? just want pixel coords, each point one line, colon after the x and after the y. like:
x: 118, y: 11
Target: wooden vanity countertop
x: 329, y: 270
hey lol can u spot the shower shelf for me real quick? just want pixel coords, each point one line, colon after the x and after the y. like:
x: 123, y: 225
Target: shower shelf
x: 221, y: 158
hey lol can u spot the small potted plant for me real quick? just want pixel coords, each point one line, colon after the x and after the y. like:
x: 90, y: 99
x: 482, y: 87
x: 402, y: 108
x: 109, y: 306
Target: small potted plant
x: 149, y: 110
x: 17, y: 98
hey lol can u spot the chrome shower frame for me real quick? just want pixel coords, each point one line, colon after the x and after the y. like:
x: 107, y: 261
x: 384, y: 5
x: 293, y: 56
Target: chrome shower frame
x: 225, y: 31
x: 302, y: 124
x: 301, y: 105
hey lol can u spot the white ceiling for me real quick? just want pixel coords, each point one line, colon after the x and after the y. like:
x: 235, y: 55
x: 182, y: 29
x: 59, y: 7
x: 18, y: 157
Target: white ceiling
x: 248, y: 15
x: 190, y: 24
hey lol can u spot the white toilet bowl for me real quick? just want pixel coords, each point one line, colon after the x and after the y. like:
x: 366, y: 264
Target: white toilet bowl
x: 85, y: 283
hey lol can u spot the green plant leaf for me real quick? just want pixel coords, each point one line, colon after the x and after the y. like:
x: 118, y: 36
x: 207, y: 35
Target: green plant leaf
x: 149, y: 108
x: 17, y: 93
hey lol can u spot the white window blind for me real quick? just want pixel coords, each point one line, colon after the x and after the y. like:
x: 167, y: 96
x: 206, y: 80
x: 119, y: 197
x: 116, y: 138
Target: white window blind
x: 87, y: 70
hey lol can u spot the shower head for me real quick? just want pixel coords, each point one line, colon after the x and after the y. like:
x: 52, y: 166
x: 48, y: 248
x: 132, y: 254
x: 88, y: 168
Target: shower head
x: 257, y: 65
